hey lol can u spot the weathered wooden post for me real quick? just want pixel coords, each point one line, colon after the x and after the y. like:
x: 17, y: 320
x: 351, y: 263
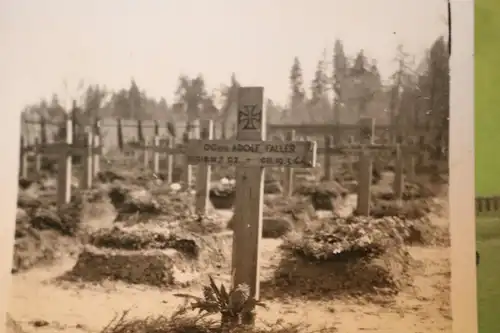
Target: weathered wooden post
x: 156, y: 154
x: 38, y: 157
x: 367, y: 129
x: 119, y: 134
x: 23, y: 163
x: 64, y: 173
x: 288, y: 183
x: 96, y: 141
x: 398, y: 184
x: 145, y: 152
x: 250, y: 153
x: 328, y: 172
x: 204, y: 172
x: 87, y: 161
x: 187, y: 174
x: 170, y: 159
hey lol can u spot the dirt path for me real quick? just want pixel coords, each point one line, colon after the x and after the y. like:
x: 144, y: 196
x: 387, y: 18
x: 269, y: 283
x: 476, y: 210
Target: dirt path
x: 87, y: 308
x: 67, y: 307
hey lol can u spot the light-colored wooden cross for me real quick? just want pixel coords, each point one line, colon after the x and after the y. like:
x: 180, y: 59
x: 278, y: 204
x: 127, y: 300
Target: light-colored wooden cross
x: 65, y: 151
x: 250, y: 153
x: 27, y: 151
x: 155, y: 147
x: 366, y: 150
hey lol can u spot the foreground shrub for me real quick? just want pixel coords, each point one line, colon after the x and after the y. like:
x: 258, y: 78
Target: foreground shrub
x: 236, y: 306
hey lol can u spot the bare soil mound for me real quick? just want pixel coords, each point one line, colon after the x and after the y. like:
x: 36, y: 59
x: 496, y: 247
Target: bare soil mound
x: 43, y: 232
x: 324, y: 195
x: 160, y: 268
x: 153, y: 257
x: 222, y: 195
x: 342, y: 257
x: 411, y: 191
x: 135, y: 204
x: 410, y: 210
x: 283, y: 215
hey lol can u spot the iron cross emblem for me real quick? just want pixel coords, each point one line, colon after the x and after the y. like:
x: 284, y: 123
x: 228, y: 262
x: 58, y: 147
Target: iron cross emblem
x: 249, y: 117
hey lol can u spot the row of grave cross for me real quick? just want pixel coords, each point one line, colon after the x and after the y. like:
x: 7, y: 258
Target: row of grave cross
x: 251, y: 153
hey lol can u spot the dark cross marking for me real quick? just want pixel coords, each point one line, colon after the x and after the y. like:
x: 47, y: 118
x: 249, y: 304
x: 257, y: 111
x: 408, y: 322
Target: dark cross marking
x: 249, y: 117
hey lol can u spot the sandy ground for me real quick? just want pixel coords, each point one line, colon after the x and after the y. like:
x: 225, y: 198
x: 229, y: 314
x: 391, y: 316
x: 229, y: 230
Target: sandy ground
x: 36, y: 299
x: 69, y: 307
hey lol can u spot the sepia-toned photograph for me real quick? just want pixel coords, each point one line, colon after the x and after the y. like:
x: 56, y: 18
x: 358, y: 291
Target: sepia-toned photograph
x: 216, y: 166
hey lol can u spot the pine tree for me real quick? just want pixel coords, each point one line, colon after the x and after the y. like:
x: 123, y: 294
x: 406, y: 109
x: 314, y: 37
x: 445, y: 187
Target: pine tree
x: 296, y: 84
x: 339, y: 74
x: 439, y: 74
x: 319, y: 83
x: 135, y: 100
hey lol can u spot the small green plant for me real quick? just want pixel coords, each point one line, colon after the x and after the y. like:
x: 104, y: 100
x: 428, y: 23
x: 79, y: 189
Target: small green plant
x: 236, y: 307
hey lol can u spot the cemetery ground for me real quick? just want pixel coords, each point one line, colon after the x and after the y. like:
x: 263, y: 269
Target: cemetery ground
x: 132, y: 244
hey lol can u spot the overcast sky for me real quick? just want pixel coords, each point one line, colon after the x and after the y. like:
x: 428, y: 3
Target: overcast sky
x: 46, y: 42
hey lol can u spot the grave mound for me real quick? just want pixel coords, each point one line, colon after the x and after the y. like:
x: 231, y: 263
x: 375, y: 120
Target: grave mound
x: 160, y: 268
x: 136, y: 204
x: 222, y: 195
x: 43, y: 232
x: 34, y: 247
x: 348, y: 173
x: 324, y: 195
x: 166, y: 257
x: 272, y: 226
x: 109, y: 176
x: 408, y: 210
x: 282, y: 215
x: 272, y: 186
x: 350, y: 257
x: 411, y: 191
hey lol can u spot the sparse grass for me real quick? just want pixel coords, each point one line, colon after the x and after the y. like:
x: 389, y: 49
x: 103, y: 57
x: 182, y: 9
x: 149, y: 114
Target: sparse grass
x: 488, y: 274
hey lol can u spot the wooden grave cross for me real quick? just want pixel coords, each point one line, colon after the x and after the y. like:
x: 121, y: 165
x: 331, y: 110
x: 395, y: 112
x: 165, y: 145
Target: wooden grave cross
x: 251, y: 153
x: 65, y: 151
x: 366, y: 149
x: 154, y: 145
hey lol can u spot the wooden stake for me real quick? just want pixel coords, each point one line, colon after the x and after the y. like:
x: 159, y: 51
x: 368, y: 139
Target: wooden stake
x: 170, y: 160
x: 156, y: 154
x: 367, y: 128
x: 64, y: 168
x: 288, y: 183
x: 250, y: 153
x: 187, y: 175
x: 96, y: 158
x: 38, y: 157
x: 398, y: 184
x: 204, y: 172
x: 327, y: 162
x: 86, y: 177
x: 145, y: 153
x: 23, y: 163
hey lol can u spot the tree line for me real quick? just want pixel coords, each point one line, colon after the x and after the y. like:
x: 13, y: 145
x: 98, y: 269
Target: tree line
x: 342, y: 90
